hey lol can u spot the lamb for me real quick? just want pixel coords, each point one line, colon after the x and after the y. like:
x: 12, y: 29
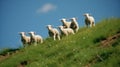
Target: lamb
x: 89, y: 20
x: 35, y: 38
x: 25, y: 39
x: 74, y: 24
x: 66, y: 31
x: 66, y: 24
x: 53, y: 32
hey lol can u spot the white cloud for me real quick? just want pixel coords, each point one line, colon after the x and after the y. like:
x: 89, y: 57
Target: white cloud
x: 46, y: 8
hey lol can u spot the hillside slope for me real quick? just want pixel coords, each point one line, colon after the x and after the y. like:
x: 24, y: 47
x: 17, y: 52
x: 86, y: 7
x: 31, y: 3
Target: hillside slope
x: 90, y: 47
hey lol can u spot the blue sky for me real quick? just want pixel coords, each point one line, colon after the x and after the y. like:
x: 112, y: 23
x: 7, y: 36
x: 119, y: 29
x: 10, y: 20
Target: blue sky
x: 34, y: 15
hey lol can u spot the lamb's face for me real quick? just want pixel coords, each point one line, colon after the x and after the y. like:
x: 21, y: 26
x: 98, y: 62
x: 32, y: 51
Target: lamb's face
x: 49, y: 26
x: 63, y: 20
x: 32, y: 33
x: 86, y: 14
x: 22, y: 33
x: 73, y: 19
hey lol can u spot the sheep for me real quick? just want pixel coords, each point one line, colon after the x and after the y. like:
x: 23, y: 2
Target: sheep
x: 65, y: 23
x: 89, y: 20
x: 25, y: 39
x: 53, y: 32
x: 66, y: 31
x: 35, y: 38
x: 74, y: 24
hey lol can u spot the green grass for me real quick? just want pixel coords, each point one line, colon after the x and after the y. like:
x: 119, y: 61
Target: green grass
x: 77, y: 50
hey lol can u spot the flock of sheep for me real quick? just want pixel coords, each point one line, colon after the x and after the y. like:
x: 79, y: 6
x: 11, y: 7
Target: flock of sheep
x: 67, y: 28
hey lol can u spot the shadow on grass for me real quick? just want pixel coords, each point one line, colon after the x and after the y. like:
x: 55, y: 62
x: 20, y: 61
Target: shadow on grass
x: 99, y: 39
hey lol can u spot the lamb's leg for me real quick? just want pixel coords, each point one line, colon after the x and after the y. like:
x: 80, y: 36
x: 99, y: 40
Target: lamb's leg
x: 73, y: 32
x: 86, y: 23
x: 66, y: 34
x: 58, y: 37
x: 54, y: 37
x: 76, y: 30
x: 93, y: 24
x: 41, y: 40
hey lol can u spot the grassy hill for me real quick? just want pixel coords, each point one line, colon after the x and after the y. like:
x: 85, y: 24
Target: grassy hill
x: 90, y: 47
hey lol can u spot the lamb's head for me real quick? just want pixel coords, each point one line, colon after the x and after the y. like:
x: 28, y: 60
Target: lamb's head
x: 73, y: 19
x: 63, y: 20
x: 32, y: 33
x: 60, y: 27
x: 86, y: 14
x: 49, y: 26
x: 22, y: 33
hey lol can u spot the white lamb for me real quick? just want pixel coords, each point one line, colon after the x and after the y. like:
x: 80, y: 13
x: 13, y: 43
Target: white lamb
x: 35, y: 38
x: 65, y: 23
x: 89, y: 20
x: 53, y: 32
x: 74, y: 24
x: 66, y: 31
x: 25, y: 39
